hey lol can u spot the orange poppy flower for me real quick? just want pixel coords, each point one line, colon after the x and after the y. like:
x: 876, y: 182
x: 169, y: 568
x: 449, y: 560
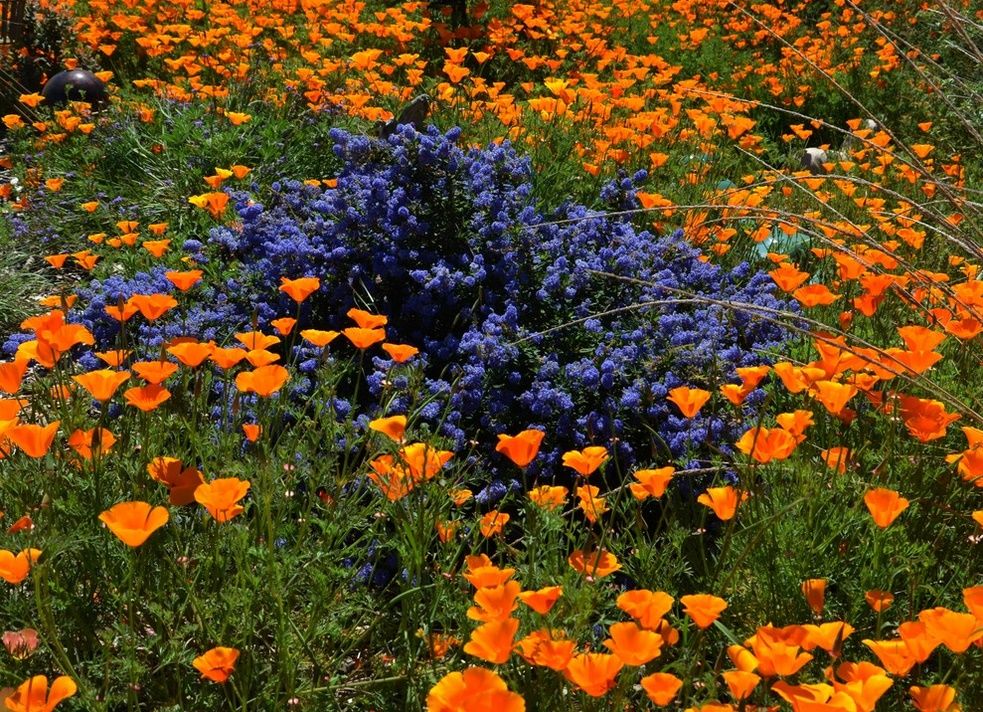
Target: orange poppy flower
x: 764, y: 444
x: 740, y: 683
x: 14, y: 569
x: 778, y: 650
x: 796, y: 423
x: 884, y: 505
x: 146, y: 398
x: 925, y: 419
x: 102, y: 384
x: 226, y: 358
x: 493, y: 642
x: 594, y: 673
x: 591, y: 504
x: 301, y: 288
x: 837, y: 458
x: 742, y: 658
x: 815, y: 295
x: 651, y: 483
x: 814, y: 591
x: 957, y: 631
x: 214, y: 202
x: 893, y: 655
x: 254, y: 340
x: 264, y: 381
x: 543, y: 600
x: 157, y: 248
x: 23, y: 524
x: 393, y: 427
x: 661, y: 688
x: 153, y: 306
x: 134, y: 522
x: 366, y: 320
x: 547, y: 648
x: 184, y: 280
x: 828, y: 636
x: 973, y: 598
x: 936, y: 698
x: 220, y: 497
x: 493, y: 523
x: 364, y: 338
x: 522, y: 448
x: 258, y: 358
x: 688, y: 400
x: 96, y: 441
x: 647, y: 607
x: 703, y: 608
x: 633, y: 644
x: 56, y: 261
x: 12, y: 375
x: 180, y: 481
x: 319, y: 338
x: 217, y: 664
x: 155, y: 372
x: 586, y: 461
x: 495, y: 603
x: 594, y: 564
x: 33, y: 695
x: 400, y: 353
x: 446, y: 530
x: 120, y: 312
x: 34, y: 440
x: 548, y: 497
x: 878, y: 600
x: 723, y: 501
x: 284, y: 325
x: 191, y: 353
x: 114, y: 359
x: 482, y: 573
x: 252, y: 431
x: 473, y: 689
x: 834, y: 396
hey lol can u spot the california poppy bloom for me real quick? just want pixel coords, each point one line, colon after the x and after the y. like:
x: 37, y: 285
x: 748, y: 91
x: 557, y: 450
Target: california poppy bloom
x: 884, y: 505
x: 366, y: 320
x: 220, y: 497
x: 651, y: 483
x: 814, y: 591
x: 493, y: 642
x: 33, y: 695
x: 764, y: 444
x: 284, y: 325
x: 154, y: 372
x: 134, y: 522
x: 878, y: 600
x: 252, y: 431
x: 740, y: 683
x: 647, y: 607
x: 34, y: 440
x: 472, y: 689
x: 226, y: 358
x: 319, y: 338
x: 495, y: 603
x: 102, y: 384
x: 633, y: 644
x: 493, y: 523
x: 364, y: 338
x: 11, y: 375
x: 482, y: 573
x: 703, y: 608
x: 688, y: 400
x: 14, y: 568
x: 661, y: 687
x: 547, y: 648
x: 594, y: 673
x: 217, y: 664
x: 180, y: 481
x: 586, y: 461
x: 184, y: 280
x: 549, y: 497
x: 301, y: 288
x: 95, y: 441
x: 264, y: 381
x: 542, y: 601
x: 522, y: 448
x: 723, y: 501
x: 191, y: 353
x: 936, y: 698
x: 253, y: 340
x: 400, y: 353
x: 152, y: 306
x: 393, y: 427
x: 594, y: 564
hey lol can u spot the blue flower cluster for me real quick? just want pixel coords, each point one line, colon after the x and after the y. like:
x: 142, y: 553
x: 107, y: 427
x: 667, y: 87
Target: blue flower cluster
x: 577, y: 322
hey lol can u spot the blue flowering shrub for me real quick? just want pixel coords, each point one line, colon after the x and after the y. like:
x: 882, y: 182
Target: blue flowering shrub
x: 576, y: 322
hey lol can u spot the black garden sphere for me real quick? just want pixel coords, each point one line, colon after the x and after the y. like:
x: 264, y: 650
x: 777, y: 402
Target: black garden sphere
x: 75, y: 85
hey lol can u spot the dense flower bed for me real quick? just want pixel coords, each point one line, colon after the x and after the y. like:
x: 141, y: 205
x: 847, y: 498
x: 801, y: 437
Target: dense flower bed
x: 521, y: 318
